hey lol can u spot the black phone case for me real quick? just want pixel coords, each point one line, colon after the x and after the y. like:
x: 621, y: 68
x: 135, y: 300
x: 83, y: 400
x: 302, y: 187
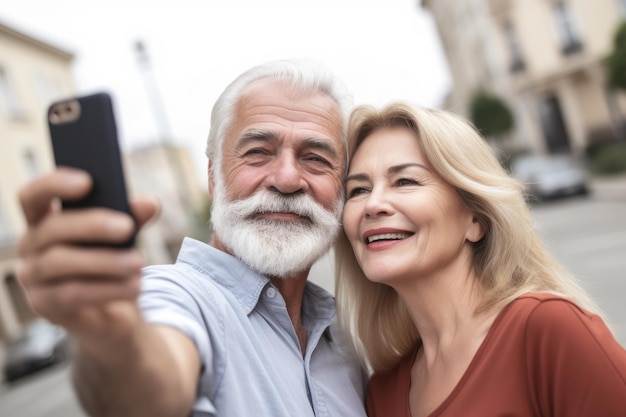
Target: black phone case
x: 90, y: 142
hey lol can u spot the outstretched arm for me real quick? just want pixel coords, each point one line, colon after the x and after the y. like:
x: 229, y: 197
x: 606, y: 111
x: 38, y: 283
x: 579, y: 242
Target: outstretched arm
x: 123, y: 365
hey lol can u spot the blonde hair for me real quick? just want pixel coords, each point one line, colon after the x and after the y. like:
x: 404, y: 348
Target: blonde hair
x: 508, y: 261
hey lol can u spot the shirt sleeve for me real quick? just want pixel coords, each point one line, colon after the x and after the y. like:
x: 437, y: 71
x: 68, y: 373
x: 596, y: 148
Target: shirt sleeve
x: 576, y: 366
x: 166, y: 299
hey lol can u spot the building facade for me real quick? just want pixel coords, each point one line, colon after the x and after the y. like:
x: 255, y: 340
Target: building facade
x: 544, y: 58
x: 166, y: 172
x: 33, y: 74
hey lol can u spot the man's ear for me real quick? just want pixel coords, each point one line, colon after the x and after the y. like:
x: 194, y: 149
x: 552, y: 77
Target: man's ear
x: 211, y: 180
x: 475, y: 232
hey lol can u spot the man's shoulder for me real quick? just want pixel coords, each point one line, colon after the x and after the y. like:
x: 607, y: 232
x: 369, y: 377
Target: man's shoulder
x: 198, y: 267
x: 180, y: 281
x: 203, y: 284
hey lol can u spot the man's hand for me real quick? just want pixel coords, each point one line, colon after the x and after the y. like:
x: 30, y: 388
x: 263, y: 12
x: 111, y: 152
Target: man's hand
x: 123, y: 365
x: 89, y: 290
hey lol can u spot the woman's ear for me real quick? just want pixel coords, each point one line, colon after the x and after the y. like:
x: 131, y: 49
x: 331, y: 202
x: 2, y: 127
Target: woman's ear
x: 475, y: 232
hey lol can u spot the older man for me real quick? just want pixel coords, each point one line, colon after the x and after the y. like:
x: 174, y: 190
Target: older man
x: 233, y: 328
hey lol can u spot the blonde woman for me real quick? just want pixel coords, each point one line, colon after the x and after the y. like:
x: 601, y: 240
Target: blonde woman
x: 451, y: 298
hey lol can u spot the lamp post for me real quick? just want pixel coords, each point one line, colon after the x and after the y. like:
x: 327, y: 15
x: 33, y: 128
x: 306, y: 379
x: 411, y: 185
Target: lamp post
x: 166, y: 137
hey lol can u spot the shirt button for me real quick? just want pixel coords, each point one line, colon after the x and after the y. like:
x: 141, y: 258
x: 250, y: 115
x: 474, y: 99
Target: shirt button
x: 271, y: 292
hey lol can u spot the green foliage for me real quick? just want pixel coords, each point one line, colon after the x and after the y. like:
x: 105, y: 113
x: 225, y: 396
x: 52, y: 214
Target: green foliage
x: 507, y: 158
x: 490, y: 114
x: 592, y: 149
x: 205, y: 210
x: 609, y: 158
x: 616, y: 61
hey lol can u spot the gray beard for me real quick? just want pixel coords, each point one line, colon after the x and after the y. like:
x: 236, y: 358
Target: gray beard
x: 275, y: 248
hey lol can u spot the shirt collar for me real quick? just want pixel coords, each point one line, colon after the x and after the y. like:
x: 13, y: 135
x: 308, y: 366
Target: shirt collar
x: 245, y: 284
x: 225, y: 270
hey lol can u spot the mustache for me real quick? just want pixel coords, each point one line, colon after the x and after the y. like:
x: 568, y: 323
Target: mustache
x: 269, y: 202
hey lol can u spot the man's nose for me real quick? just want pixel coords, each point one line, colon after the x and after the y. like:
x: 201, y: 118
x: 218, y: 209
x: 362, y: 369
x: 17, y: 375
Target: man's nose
x: 287, y: 175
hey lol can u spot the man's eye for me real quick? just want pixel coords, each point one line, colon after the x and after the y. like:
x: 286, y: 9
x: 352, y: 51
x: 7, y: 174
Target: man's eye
x: 255, y: 151
x: 317, y: 159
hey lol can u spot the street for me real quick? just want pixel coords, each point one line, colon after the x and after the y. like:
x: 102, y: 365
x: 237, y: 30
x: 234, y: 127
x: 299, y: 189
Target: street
x: 586, y: 234
x: 47, y: 394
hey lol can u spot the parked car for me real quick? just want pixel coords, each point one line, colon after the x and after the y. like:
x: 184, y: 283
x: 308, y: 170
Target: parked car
x: 551, y: 176
x: 41, y: 345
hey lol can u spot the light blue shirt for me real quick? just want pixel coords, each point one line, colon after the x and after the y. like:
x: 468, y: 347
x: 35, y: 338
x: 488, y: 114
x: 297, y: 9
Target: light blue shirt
x: 252, y: 364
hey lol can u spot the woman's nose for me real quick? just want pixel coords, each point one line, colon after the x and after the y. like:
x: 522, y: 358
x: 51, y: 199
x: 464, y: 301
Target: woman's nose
x: 377, y: 204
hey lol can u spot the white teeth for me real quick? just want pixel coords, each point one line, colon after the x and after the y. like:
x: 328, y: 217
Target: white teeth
x: 388, y: 236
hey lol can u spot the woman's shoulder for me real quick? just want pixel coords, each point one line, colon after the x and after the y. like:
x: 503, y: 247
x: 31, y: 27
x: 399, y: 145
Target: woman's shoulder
x: 553, y: 315
x: 554, y: 326
x: 536, y: 308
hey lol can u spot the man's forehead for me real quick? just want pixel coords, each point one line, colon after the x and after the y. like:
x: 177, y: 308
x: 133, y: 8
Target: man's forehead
x: 268, y: 102
x: 276, y: 90
x: 268, y: 84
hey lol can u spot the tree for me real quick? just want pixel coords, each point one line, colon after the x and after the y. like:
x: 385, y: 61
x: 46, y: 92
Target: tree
x: 616, y: 61
x: 490, y: 114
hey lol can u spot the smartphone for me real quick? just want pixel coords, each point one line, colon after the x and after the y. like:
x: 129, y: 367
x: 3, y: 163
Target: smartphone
x: 84, y: 135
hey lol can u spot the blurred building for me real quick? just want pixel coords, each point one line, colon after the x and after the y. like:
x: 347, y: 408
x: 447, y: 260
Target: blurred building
x: 544, y: 58
x: 166, y: 172
x: 33, y: 73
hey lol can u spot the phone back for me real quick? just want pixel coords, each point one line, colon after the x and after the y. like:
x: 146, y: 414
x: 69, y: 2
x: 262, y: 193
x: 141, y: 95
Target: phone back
x: 84, y: 135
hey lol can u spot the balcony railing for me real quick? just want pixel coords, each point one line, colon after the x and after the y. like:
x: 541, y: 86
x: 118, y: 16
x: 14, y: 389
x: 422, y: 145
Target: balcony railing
x: 517, y: 65
x: 571, y: 47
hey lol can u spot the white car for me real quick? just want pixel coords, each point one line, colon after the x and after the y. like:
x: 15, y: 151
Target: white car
x: 41, y: 345
x: 551, y: 176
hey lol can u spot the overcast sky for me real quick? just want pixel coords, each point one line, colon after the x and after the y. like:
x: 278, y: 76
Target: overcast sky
x: 383, y: 49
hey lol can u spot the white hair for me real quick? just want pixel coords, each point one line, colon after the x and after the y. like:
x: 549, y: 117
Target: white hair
x: 275, y: 248
x: 302, y: 75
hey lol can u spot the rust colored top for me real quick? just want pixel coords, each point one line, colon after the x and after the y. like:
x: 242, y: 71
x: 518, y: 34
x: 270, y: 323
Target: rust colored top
x: 543, y: 356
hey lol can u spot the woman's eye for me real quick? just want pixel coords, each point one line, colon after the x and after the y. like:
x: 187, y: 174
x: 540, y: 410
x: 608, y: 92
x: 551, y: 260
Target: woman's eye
x: 356, y: 191
x: 406, y: 181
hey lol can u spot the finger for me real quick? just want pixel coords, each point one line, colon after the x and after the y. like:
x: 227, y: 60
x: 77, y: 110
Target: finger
x: 144, y: 210
x: 64, y: 263
x: 60, y: 301
x: 64, y: 183
x: 95, y: 225
x: 109, y: 320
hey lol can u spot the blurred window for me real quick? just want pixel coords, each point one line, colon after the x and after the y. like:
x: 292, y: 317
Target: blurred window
x: 30, y: 163
x: 8, y: 96
x: 622, y: 7
x: 515, y: 52
x: 48, y: 89
x: 5, y: 235
x: 554, y: 130
x: 566, y: 29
